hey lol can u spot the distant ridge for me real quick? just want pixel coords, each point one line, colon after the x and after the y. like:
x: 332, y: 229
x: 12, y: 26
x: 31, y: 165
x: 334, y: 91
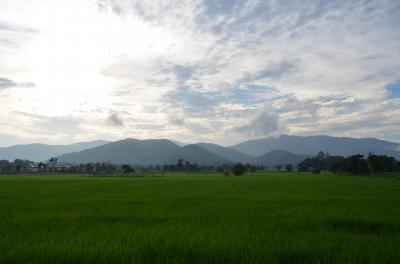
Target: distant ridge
x: 41, y: 152
x: 311, y: 145
x: 197, y: 154
x: 280, y: 157
x: 228, y: 153
x: 132, y: 151
x: 267, y: 151
x: 144, y: 152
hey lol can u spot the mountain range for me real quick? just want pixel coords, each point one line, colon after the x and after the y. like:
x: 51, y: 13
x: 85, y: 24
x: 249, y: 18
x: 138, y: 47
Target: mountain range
x: 284, y: 149
x: 42, y: 152
x: 311, y: 145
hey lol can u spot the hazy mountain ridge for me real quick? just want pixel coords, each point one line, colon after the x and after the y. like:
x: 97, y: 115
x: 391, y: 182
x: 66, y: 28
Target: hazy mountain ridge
x: 313, y: 144
x: 144, y: 152
x: 133, y: 151
x: 268, y: 151
x: 42, y: 152
x: 279, y: 157
x: 228, y: 153
x: 197, y: 154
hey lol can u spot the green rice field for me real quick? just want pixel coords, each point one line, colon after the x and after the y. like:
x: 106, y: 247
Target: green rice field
x: 267, y: 217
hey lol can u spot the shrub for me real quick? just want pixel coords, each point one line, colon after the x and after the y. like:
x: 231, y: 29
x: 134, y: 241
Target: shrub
x: 239, y: 169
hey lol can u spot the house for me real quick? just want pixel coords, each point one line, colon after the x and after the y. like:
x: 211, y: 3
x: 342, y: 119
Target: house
x: 31, y: 167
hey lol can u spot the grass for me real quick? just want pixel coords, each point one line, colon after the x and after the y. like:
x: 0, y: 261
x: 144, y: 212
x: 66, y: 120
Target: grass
x: 200, y: 218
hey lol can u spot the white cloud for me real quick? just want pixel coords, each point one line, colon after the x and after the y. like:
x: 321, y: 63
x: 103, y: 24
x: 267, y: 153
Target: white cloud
x: 193, y: 70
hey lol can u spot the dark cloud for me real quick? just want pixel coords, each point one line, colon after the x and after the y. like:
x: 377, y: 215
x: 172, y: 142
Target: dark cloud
x: 178, y: 121
x: 265, y: 124
x: 273, y: 71
x: 114, y: 120
x: 292, y: 104
x: 250, y: 94
x: 6, y: 83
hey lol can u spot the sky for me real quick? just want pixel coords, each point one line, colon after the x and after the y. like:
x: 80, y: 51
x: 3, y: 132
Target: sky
x: 220, y: 71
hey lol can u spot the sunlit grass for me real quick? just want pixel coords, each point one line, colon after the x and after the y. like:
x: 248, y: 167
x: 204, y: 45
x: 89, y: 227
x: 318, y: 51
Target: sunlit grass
x: 184, y: 217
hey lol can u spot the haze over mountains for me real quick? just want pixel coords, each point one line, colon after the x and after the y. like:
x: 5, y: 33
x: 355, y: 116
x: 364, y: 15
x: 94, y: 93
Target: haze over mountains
x: 310, y: 145
x: 41, y: 152
x: 268, y: 151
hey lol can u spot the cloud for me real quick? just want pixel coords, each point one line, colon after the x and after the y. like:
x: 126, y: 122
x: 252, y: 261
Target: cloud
x: 191, y: 101
x: 177, y: 121
x: 52, y: 124
x: 63, y: 125
x: 7, y: 83
x: 264, y: 124
x: 273, y: 71
x: 195, y: 69
x: 114, y: 120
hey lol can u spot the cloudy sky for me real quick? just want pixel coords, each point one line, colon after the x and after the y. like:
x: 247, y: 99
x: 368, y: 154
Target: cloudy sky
x: 203, y: 70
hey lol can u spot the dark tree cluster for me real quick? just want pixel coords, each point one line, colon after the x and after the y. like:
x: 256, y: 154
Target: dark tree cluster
x: 127, y: 169
x: 17, y: 165
x: 355, y: 164
x: 182, y: 165
x: 98, y: 168
x: 382, y: 163
x: 321, y: 162
x: 240, y: 169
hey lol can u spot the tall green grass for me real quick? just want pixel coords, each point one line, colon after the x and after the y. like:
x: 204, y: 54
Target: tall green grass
x: 199, y: 218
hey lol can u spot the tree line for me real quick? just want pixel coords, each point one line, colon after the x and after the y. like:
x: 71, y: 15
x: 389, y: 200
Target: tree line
x: 355, y: 164
x: 19, y: 166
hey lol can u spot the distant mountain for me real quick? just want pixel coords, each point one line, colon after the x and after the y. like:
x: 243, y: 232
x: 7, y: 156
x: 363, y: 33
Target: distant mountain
x: 162, y: 151
x: 41, y: 152
x: 145, y: 152
x: 180, y: 144
x: 197, y: 154
x: 132, y: 151
x: 228, y: 153
x: 311, y: 145
x: 279, y: 157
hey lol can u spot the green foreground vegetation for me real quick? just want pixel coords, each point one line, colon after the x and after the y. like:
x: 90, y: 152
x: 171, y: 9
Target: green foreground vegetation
x: 267, y: 217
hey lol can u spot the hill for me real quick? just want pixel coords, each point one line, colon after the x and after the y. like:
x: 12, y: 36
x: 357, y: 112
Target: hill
x: 132, y: 151
x: 144, y: 152
x: 280, y: 157
x: 197, y: 154
x: 228, y: 153
x: 41, y: 152
x: 311, y: 145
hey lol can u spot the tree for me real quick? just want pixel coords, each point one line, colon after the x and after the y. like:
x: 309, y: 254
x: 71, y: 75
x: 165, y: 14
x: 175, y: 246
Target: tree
x: 380, y: 163
x: 278, y: 167
x: 5, y: 166
x: 18, y: 164
x: 355, y: 164
x: 289, y: 167
x: 321, y: 161
x: 180, y: 165
x: 89, y: 167
x: 238, y: 169
x: 127, y: 169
